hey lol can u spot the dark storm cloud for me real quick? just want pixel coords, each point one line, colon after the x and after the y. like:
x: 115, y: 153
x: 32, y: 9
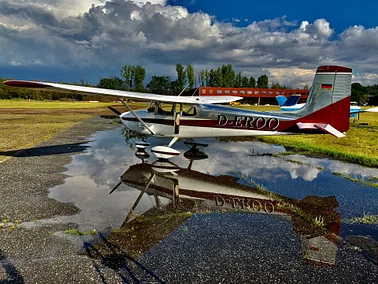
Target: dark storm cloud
x: 122, y: 32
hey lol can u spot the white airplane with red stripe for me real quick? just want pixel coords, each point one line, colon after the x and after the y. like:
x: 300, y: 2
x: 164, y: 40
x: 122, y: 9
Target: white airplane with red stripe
x: 327, y: 110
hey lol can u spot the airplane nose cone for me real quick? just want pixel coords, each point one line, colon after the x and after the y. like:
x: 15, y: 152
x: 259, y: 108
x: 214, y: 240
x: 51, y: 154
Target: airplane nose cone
x: 131, y: 122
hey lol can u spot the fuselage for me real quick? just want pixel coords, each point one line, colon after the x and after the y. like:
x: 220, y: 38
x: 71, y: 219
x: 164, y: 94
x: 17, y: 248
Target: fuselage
x: 210, y: 121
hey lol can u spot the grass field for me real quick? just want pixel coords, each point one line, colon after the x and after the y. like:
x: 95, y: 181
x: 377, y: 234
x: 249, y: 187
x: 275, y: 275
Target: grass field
x: 360, y: 145
x: 20, y: 130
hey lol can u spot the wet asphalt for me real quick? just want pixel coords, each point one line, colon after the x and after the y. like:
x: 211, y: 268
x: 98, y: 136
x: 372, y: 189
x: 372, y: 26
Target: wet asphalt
x: 40, y: 254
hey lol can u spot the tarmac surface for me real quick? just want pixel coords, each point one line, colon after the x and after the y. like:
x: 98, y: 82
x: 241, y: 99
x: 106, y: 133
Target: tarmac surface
x: 39, y: 254
x: 171, y: 247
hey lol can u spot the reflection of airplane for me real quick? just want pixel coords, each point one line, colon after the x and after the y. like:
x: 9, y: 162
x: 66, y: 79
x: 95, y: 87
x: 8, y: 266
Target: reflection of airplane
x: 291, y: 104
x: 326, y: 111
x: 175, y: 189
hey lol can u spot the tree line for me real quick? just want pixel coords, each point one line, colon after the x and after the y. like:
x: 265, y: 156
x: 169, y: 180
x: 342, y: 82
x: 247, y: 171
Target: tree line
x: 364, y: 94
x: 132, y: 78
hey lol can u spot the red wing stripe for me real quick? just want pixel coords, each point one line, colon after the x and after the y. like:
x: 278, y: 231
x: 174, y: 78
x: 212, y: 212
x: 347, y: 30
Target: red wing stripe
x: 25, y: 84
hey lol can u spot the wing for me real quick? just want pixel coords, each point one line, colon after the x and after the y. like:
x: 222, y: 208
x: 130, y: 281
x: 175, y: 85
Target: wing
x: 117, y: 93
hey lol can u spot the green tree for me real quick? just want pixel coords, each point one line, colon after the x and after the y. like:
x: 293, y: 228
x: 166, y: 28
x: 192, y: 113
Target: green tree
x: 245, y: 82
x: 207, y: 77
x: 160, y: 85
x: 262, y: 81
x: 114, y: 83
x: 358, y: 92
x: 191, y: 77
x: 238, y: 81
x: 218, y: 80
x: 127, y: 72
x: 139, y: 76
x: 252, y: 82
x: 212, y: 75
x: 277, y: 86
x: 181, y: 77
x: 173, y: 87
x: 202, y: 78
x: 228, y: 76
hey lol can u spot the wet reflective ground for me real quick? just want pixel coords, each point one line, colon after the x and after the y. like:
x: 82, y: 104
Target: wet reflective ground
x: 228, y: 213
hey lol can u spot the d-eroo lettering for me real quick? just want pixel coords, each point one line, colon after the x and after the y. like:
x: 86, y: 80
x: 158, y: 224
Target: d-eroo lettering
x: 250, y: 204
x: 249, y: 122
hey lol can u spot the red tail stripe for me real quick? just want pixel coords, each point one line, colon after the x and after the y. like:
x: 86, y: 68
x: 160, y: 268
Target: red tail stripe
x: 333, y: 68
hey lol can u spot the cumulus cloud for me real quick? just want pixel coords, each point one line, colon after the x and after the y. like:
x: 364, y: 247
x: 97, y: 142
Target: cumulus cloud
x: 98, y: 33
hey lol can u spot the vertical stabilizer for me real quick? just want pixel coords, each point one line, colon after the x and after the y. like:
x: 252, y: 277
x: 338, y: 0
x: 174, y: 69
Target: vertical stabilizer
x: 329, y: 99
x: 281, y: 100
x: 292, y: 100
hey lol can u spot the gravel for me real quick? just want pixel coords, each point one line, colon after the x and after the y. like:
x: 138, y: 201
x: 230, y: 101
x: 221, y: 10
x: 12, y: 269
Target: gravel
x: 41, y: 254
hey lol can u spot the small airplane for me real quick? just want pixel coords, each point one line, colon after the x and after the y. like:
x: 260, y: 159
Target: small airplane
x: 291, y: 103
x: 181, y: 117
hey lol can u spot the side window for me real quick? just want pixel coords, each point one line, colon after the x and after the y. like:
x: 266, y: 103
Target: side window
x: 190, y: 112
x: 151, y: 107
x: 164, y: 109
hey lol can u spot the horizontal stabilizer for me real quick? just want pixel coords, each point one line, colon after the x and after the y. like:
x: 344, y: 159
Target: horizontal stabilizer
x: 374, y: 109
x: 330, y: 130
x: 327, y: 128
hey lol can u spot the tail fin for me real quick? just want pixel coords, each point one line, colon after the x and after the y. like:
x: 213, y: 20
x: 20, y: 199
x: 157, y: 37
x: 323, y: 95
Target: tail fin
x: 281, y: 100
x: 329, y: 100
x: 292, y: 100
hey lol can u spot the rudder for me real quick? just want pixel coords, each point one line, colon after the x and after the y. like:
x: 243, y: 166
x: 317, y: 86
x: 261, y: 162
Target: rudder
x: 329, y: 98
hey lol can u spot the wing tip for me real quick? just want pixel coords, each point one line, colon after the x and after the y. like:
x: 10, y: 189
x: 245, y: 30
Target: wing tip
x: 24, y: 84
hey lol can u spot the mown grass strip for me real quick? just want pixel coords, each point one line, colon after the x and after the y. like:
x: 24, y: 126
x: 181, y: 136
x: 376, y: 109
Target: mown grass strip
x: 22, y: 131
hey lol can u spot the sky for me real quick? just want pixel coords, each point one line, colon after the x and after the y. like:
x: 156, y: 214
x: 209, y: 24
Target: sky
x: 70, y: 40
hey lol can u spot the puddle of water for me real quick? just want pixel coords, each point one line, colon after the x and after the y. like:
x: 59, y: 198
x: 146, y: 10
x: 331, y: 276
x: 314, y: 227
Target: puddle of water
x: 94, y: 173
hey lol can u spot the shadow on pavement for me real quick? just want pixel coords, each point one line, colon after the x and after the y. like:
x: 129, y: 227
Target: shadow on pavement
x: 47, y: 150
x: 8, y: 273
x: 127, y: 268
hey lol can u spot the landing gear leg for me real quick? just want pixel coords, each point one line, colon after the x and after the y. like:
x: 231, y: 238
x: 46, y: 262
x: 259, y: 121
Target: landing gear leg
x: 173, y: 141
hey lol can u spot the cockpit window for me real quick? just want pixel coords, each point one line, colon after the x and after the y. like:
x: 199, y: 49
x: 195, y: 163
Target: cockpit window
x: 189, y: 111
x: 152, y: 107
x: 165, y: 108
x: 170, y: 108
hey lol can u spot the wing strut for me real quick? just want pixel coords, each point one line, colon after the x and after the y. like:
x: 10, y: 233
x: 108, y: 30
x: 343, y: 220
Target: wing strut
x: 137, y: 117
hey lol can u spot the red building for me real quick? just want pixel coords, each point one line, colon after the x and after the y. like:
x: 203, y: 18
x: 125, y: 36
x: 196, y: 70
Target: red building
x: 253, y: 95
